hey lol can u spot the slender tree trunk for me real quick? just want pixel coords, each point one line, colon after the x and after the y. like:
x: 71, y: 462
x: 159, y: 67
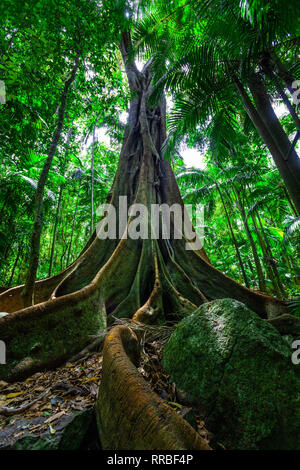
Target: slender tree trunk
x: 266, y: 112
x: 16, y: 263
x: 261, y: 281
x: 73, y: 226
x: 55, y: 228
x: 233, y: 238
x: 266, y: 257
x: 293, y: 186
x: 270, y: 260
x: 284, y: 73
x: 28, y: 290
x: 293, y: 208
x: 292, y: 268
x: 280, y: 90
x: 266, y: 251
x: 61, y: 188
x: 7, y: 249
x: 251, y: 268
x: 4, y: 203
x: 92, y: 180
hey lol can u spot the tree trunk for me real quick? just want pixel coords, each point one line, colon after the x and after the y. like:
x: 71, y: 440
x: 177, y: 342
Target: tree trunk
x: 270, y: 258
x: 284, y: 73
x: 28, y: 290
x: 73, y: 226
x: 6, y: 197
x: 266, y: 257
x: 280, y: 90
x: 261, y: 280
x: 293, y: 208
x: 92, y: 180
x: 234, y: 239
x: 61, y: 188
x: 292, y: 184
x: 55, y: 228
x: 288, y: 155
x: 15, y: 263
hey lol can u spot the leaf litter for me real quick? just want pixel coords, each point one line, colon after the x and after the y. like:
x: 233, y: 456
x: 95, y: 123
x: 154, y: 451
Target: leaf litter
x: 55, y: 393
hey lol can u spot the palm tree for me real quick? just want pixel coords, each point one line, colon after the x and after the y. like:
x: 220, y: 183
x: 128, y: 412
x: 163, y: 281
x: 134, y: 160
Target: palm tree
x: 215, y: 66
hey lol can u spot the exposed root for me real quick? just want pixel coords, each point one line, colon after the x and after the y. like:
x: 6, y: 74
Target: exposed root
x: 150, y: 333
x: 96, y: 345
x: 130, y: 415
x: 152, y: 311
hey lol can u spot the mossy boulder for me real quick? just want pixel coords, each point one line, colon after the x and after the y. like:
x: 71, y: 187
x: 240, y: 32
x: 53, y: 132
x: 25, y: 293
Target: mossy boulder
x: 237, y: 370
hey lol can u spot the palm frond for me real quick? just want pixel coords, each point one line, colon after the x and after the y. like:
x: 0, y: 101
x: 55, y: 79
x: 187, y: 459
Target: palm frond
x: 291, y: 228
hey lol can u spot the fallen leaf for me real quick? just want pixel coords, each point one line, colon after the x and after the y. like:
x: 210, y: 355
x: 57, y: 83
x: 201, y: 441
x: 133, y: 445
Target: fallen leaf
x: 13, y: 395
x: 52, y: 431
x: 90, y: 379
x: 172, y: 403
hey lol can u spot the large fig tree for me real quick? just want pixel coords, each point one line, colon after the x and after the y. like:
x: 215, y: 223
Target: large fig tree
x: 151, y: 278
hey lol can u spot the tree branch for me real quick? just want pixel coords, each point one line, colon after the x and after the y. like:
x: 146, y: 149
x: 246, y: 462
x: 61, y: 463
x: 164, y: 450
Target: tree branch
x: 132, y: 72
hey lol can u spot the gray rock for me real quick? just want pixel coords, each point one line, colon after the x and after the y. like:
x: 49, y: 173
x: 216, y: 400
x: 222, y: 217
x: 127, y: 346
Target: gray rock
x: 70, y: 431
x: 237, y: 370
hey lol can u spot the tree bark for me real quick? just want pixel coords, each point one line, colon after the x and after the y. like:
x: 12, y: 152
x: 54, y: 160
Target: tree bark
x: 55, y: 229
x: 288, y: 155
x: 283, y: 73
x: 293, y: 208
x: 61, y: 188
x: 285, y: 171
x: 73, y: 226
x: 20, y: 248
x: 261, y: 280
x: 266, y: 257
x: 92, y: 180
x: 234, y: 239
x: 270, y: 258
x: 280, y: 90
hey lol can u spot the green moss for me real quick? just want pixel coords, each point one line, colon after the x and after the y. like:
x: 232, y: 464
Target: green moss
x: 237, y: 370
x: 50, y: 338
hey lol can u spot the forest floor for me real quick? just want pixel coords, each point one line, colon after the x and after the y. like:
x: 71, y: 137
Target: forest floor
x: 45, y: 398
